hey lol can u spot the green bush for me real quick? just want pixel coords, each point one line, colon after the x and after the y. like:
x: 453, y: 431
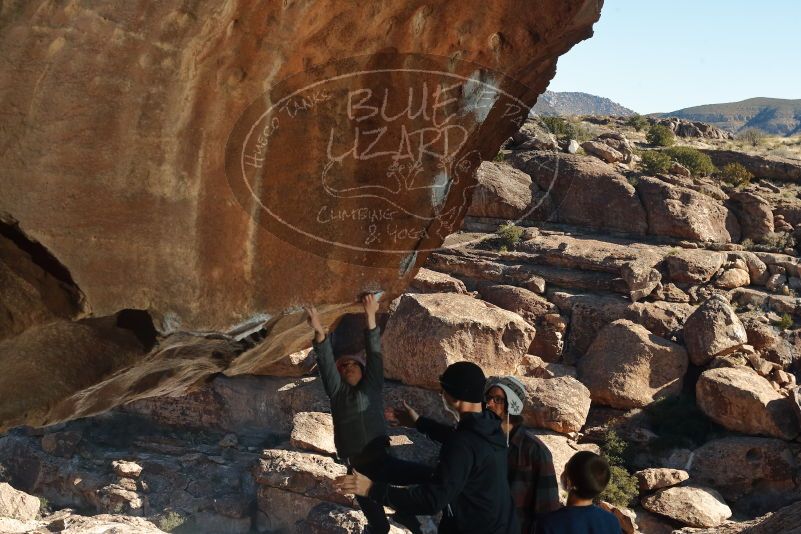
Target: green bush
x: 564, y: 129
x: 555, y: 125
x: 170, y: 520
x: 500, y: 156
x: 785, y: 322
x: 735, y: 174
x: 779, y: 240
x: 659, y: 135
x: 699, y: 163
x: 637, y: 121
x: 578, y: 132
x: 752, y: 136
x: 655, y: 162
x: 622, y: 489
x: 615, y: 448
x: 509, y: 234
x: 44, y: 507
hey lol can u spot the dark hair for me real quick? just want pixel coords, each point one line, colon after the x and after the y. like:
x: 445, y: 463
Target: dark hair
x: 588, y: 473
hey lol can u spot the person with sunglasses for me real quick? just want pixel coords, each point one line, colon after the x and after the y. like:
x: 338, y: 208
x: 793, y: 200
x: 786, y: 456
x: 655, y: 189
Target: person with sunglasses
x: 532, y: 476
x: 469, y: 484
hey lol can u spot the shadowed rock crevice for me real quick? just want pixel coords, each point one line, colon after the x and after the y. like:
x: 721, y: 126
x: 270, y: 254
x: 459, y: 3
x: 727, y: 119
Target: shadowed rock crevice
x: 37, y: 287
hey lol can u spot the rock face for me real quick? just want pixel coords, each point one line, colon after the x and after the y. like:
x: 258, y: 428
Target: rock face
x: 428, y: 332
x: 713, y: 330
x: 741, y: 400
x: 693, y: 506
x: 211, y: 227
x: 628, y: 367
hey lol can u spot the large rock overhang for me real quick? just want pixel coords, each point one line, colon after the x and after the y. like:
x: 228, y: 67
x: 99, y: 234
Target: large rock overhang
x: 220, y: 167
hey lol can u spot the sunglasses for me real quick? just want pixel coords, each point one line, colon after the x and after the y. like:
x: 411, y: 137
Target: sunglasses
x: 496, y: 399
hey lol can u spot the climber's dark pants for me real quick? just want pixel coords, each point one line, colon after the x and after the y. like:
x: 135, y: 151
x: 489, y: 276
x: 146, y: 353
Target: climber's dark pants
x: 381, y: 466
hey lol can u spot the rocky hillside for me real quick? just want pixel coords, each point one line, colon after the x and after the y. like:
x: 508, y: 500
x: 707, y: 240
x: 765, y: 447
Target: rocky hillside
x: 651, y: 316
x: 771, y: 115
x: 570, y: 104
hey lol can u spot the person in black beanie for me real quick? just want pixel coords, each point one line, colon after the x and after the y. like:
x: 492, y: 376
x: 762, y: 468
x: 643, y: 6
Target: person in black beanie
x: 470, y: 484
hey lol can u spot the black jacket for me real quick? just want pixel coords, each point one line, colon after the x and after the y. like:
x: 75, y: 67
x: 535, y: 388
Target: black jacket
x: 357, y: 411
x: 470, y: 484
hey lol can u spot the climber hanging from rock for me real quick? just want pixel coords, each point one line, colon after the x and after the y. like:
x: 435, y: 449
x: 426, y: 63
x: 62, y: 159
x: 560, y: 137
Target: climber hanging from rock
x: 354, y: 383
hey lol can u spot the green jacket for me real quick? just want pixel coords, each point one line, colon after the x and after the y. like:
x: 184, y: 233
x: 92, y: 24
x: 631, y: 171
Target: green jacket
x: 357, y: 411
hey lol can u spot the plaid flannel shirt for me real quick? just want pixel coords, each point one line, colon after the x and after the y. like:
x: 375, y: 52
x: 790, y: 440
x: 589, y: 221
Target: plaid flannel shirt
x: 532, y: 478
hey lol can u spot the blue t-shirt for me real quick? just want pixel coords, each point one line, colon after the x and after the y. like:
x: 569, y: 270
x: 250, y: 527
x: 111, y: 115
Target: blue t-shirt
x: 578, y: 520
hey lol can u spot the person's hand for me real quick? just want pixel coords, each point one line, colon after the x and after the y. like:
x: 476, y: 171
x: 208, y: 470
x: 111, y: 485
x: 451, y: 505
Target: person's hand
x: 355, y: 484
x: 402, y: 416
x: 370, y: 303
x: 313, y: 318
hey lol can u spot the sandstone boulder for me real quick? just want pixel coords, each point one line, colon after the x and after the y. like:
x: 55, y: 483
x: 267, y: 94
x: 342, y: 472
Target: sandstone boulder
x: 310, y: 475
x: 693, y: 266
x: 17, y: 504
x: 686, y: 214
x: 733, y: 278
x: 641, y: 278
x: 313, y: 431
x: 757, y: 270
x: 428, y: 332
x: 712, y: 330
x: 602, y: 151
x: 758, y: 475
x: 664, y: 319
x: 741, y: 400
x: 428, y: 281
x: 584, y: 192
x: 560, y: 404
x: 658, y: 478
x: 502, y: 192
x: 541, y: 314
x: 693, y: 506
x: 785, y: 520
x: 126, y: 469
x: 754, y: 213
x: 533, y: 135
x: 562, y: 448
x: 628, y: 367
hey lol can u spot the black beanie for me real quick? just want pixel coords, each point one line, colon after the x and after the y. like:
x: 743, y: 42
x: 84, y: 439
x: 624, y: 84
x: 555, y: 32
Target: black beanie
x: 464, y: 381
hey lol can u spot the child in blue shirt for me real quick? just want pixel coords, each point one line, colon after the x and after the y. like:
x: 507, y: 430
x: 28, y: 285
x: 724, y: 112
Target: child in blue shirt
x: 587, y: 475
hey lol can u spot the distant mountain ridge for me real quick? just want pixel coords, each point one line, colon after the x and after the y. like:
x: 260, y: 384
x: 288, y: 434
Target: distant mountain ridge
x: 573, y: 103
x: 777, y: 116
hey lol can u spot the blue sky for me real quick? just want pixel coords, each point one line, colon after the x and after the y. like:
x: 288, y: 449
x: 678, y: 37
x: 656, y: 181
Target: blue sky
x: 655, y: 56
